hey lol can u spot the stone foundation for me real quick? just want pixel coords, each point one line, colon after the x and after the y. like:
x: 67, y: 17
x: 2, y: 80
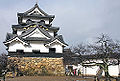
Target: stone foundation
x: 39, y: 66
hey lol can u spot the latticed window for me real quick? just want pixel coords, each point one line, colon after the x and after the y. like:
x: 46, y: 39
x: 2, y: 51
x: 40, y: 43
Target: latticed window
x: 36, y: 51
x: 52, y: 50
x: 20, y: 51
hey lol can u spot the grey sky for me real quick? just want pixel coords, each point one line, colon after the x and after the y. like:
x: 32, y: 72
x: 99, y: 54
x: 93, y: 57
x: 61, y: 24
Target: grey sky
x: 79, y: 20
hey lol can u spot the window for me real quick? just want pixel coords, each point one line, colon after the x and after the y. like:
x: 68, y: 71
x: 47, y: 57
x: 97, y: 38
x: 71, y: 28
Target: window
x: 52, y: 50
x: 42, y: 22
x: 20, y: 51
x: 36, y: 51
x: 29, y: 21
x: 14, y: 31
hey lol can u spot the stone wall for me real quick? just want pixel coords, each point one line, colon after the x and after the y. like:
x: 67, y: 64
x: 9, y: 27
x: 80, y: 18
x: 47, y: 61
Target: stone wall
x: 39, y: 66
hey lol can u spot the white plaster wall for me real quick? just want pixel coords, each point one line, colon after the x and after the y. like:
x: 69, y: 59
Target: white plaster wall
x: 51, y: 33
x: 39, y: 46
x: 58, y: 47
x: 35, y: 45
x: 16, y: 45
x: 36, y: 33
x: 19, y: 32
x: 46, y: 20
x: 35, y: 20
x: 24, y: 20
x: 36, y: 9
x: 91, y: 70
x: 114, y: 70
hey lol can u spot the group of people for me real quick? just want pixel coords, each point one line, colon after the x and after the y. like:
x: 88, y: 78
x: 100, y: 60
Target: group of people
x: 72, y: 72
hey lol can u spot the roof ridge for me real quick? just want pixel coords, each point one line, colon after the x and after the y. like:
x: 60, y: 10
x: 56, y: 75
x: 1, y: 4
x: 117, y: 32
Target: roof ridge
x: 60, y: 38
x: 36, y: 6
x: 30, y: 31
x: 14, y: 38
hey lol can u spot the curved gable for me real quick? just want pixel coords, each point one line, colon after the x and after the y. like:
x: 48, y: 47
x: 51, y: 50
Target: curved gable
x: 36, y: 32
x: 14, y: 40
x: 36, y: 11
x: 56, y: 41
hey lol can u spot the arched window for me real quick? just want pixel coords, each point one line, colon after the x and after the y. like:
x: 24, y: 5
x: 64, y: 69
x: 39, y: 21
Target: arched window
x: 29, y: 21
x: 36, y: 12
x: 42, y: 22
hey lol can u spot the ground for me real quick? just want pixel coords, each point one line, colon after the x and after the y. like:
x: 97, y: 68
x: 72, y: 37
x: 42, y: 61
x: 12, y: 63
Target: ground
x: 50, y: 78
x: 47, y: 78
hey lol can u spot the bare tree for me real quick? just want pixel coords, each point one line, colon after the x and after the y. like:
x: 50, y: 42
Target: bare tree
x: 104, y: 49
x: 3, y: 62
x: 79, y: 49
x: 3, y: 65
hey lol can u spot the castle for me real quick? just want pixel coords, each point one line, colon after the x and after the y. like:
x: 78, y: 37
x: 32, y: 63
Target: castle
x: 34, y: 45
x: 34, y: 36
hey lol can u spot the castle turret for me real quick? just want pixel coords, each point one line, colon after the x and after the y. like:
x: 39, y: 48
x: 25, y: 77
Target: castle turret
x: 34, y: 35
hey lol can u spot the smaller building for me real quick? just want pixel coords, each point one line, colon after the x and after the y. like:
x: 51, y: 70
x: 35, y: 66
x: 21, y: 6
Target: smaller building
x: 87, y: 64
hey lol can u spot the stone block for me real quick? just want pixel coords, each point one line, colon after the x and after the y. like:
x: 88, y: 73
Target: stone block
x: 39, y: 66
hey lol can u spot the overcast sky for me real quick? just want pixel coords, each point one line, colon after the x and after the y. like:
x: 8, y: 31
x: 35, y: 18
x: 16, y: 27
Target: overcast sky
x: 79, y: 20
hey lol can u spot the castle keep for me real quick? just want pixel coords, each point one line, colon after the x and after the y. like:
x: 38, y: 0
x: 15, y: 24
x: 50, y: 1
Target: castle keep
x: 36, y: 41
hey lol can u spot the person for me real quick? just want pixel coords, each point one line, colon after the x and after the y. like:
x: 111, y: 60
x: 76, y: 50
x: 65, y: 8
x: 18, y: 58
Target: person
x: 74, y: 71
x: 3, y: 74
x: 66, y: 71
x: 79, y: 72
x: 3, y: 77
x: 13, y: 71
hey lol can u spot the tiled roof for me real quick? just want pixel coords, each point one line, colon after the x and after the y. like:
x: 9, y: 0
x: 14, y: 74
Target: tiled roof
x: 36, y: 39
x: 10, y: 35
x: 30, y: 10
x: 100, y: 56
x: 27, y: 32
x: 23, y: 26
x: 60, y: 38
x: 13, y: 37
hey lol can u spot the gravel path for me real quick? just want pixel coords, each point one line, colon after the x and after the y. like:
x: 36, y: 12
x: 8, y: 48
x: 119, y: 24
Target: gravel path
x: 47, y: 78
